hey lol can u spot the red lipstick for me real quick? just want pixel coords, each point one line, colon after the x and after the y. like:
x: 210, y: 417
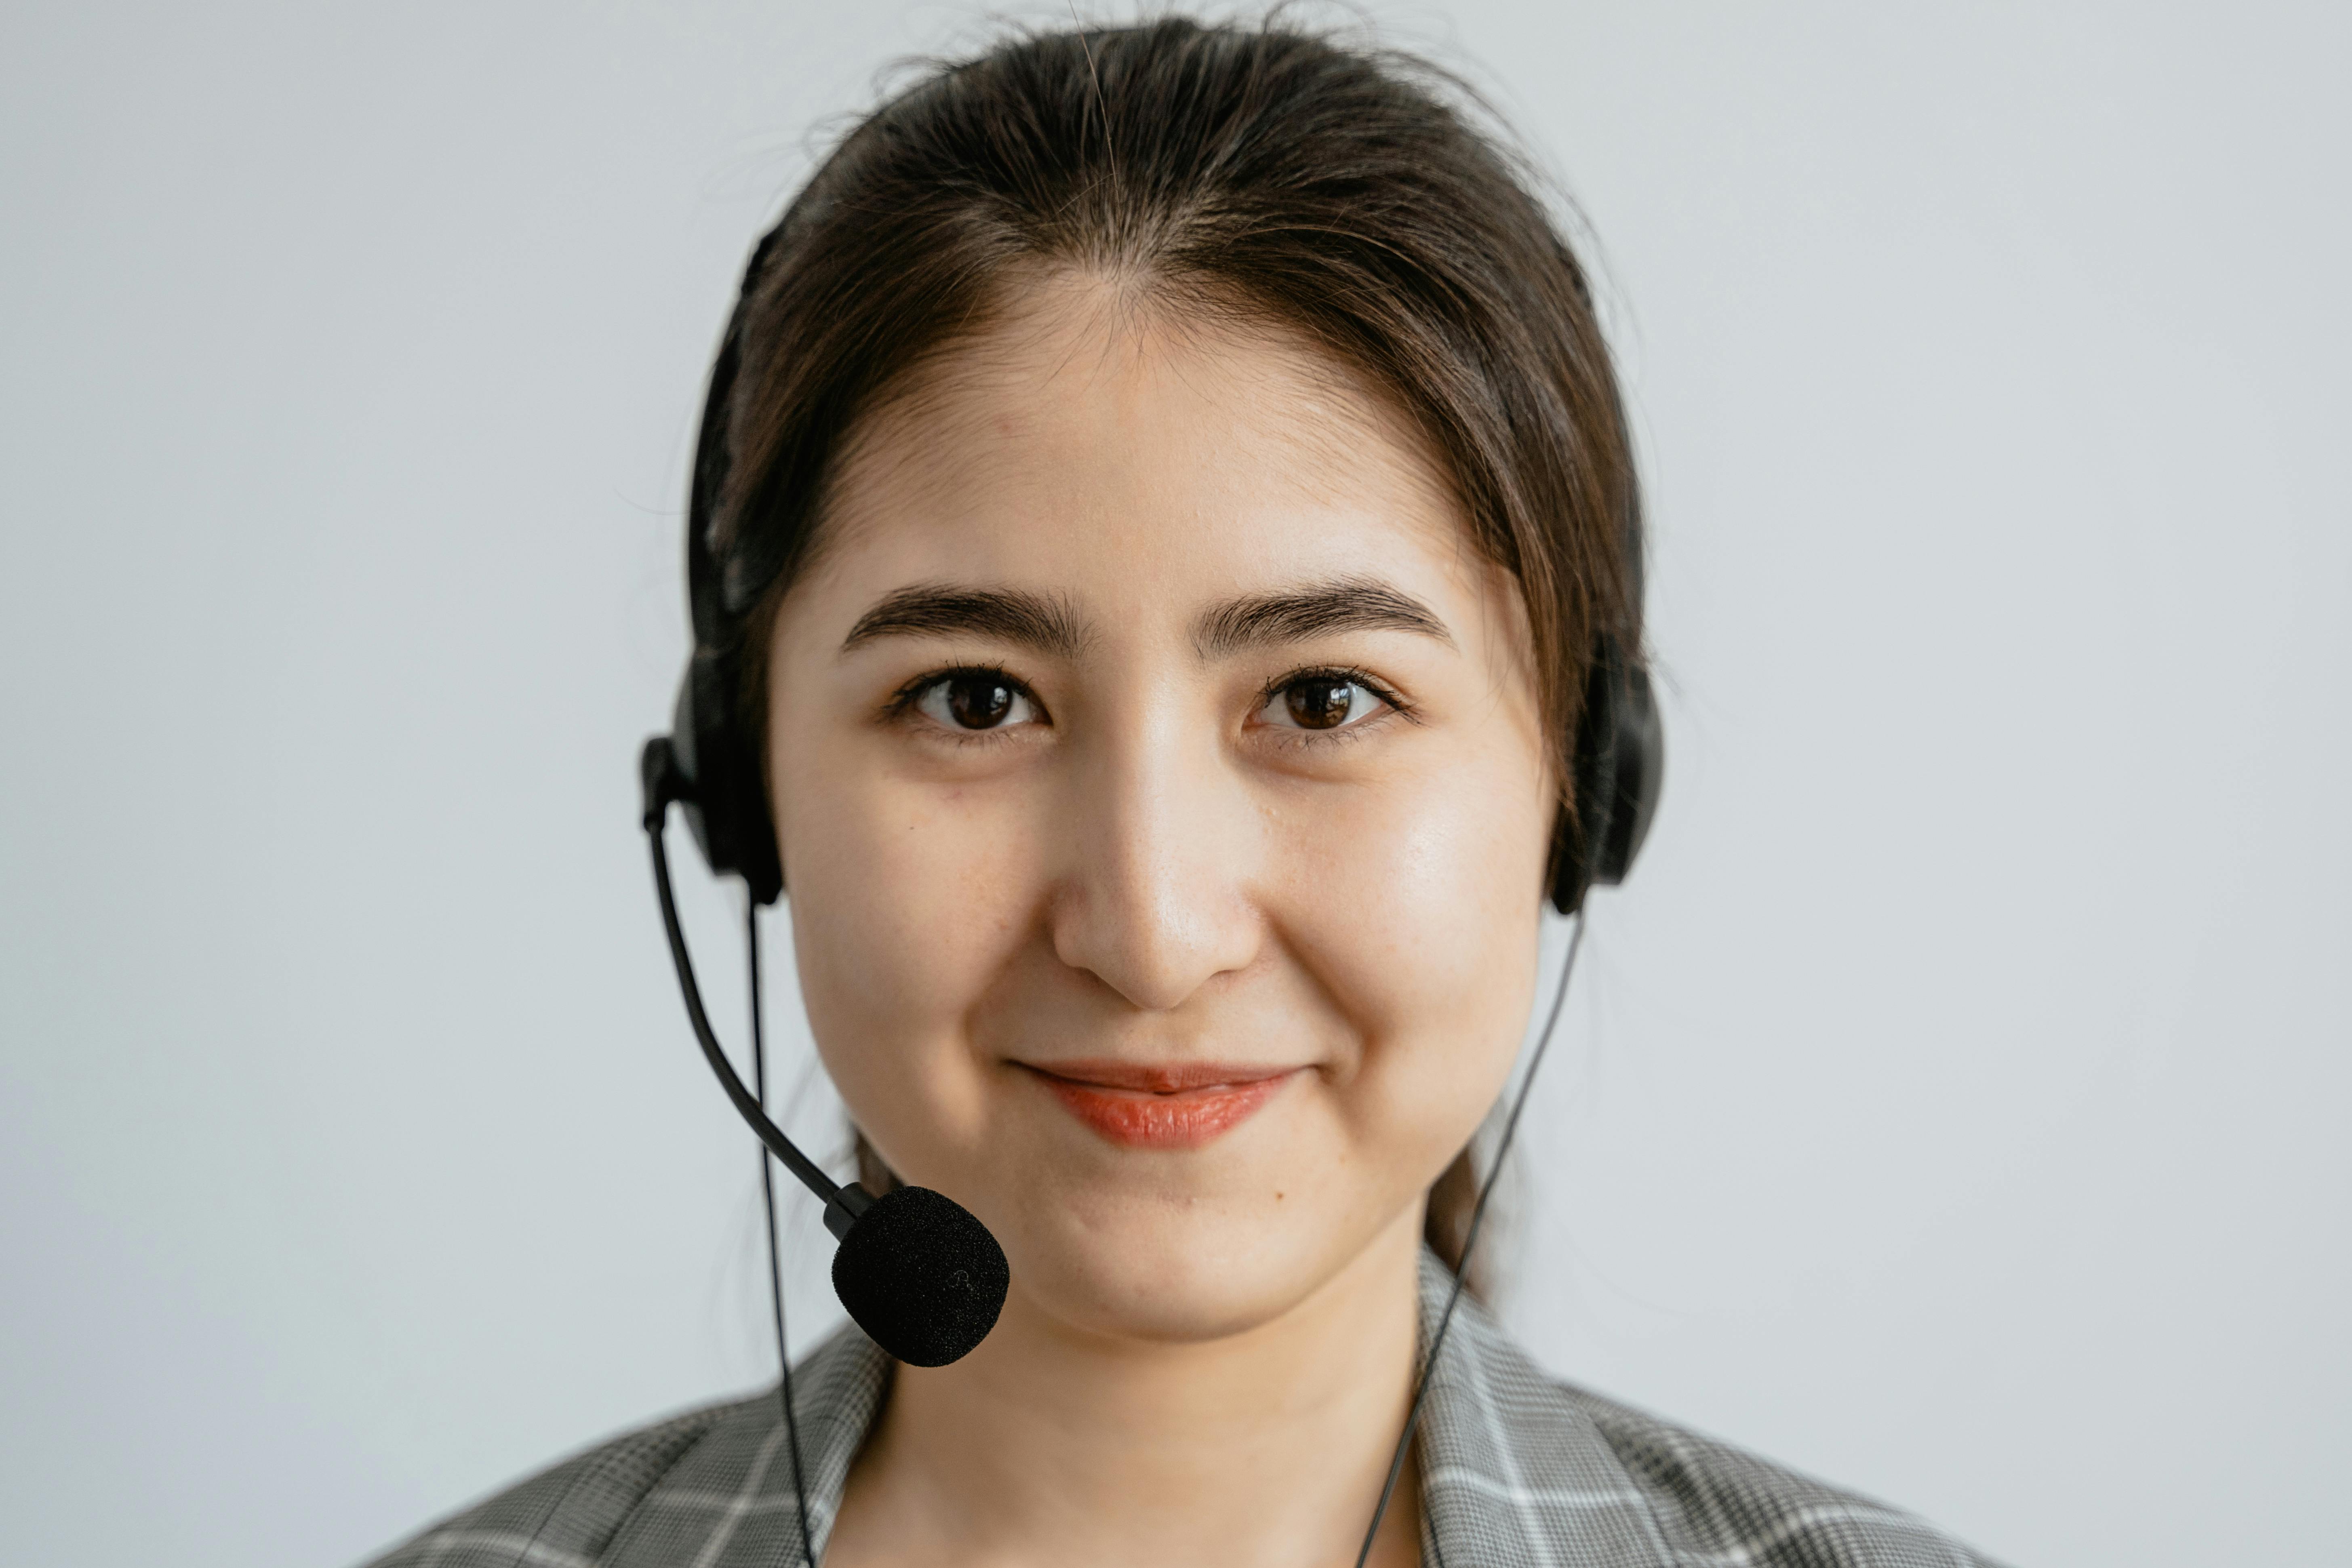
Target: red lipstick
x: 1176, y: 1106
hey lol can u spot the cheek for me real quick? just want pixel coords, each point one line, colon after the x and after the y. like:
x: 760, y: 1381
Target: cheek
x: 905, y: 901
x: 1419, y: 911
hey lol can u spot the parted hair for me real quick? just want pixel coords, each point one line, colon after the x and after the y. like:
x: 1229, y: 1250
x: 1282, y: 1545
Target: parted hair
x: 1254, y: 173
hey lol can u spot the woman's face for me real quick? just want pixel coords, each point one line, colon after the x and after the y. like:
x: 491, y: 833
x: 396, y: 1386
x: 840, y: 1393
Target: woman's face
x: 1163, y: 800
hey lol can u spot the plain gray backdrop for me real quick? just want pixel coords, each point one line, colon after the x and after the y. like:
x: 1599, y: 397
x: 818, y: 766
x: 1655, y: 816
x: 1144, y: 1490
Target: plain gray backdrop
x: 1953, y: 1104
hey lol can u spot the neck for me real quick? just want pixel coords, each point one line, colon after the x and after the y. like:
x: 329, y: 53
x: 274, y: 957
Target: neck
x: 1046, y: 1446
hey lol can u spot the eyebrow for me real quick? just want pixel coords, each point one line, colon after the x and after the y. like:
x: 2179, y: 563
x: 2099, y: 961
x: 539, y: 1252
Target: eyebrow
x: 1007, y: 614
x: 1320, y: 609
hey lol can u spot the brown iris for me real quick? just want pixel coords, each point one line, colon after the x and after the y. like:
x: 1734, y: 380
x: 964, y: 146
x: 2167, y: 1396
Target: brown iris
x: 979, y: 701
x: 1320, y: 704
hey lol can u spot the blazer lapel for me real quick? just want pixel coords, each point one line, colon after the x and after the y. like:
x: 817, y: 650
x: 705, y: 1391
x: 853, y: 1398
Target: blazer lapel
x: 729, y: 1502
x: 1514, y: 1474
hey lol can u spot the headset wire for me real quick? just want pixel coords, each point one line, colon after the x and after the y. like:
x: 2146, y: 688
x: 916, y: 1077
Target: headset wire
x: 775, y: 1260
x: 1470, y: 1240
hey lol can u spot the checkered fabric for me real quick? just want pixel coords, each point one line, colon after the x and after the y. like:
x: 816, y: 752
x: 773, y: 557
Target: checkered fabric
x: 1518, y: 1470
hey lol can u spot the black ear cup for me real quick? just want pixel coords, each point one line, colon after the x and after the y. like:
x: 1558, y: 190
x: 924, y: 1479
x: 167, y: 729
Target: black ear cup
x: 1640, y: 756
x: 718, y: 781
x: 1617, y: 766
x: 721, y: 779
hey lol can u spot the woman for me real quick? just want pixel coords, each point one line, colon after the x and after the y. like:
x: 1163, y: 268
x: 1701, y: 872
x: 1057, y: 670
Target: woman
x: 1166, y: 580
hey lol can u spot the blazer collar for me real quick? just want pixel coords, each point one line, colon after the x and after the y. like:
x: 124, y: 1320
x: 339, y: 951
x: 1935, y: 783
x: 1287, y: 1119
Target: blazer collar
x: 1513, y: 1470
x: 1514, y: 1474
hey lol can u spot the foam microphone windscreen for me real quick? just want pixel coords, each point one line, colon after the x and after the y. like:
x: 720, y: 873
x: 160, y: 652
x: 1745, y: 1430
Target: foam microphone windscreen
x: 921, y: 1276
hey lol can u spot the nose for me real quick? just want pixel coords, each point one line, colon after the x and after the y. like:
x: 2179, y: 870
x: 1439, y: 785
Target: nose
x: 1158, y: 842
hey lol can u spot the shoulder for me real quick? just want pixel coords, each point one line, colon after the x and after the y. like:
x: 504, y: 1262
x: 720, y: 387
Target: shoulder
x: 569, y: 1511
x: 714, y: 1485
x: 1717, y: 1503
x: 1518, y: 1466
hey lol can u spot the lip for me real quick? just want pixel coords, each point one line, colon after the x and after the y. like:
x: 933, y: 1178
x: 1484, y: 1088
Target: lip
x: 1155, y: 1105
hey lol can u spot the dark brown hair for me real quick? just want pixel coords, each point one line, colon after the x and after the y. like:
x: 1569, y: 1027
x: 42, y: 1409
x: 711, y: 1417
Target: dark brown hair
x: 1262, y: 171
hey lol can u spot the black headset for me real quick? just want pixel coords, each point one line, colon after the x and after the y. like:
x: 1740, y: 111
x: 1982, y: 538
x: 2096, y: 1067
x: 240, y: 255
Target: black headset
x: 1616, y: 760
x: 916, y: 1270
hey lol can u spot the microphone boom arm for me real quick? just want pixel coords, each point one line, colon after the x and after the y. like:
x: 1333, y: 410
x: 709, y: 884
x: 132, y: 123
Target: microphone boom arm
x: 843, y: 1203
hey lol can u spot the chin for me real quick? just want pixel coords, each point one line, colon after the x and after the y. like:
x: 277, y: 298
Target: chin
x: 1181, y: 1266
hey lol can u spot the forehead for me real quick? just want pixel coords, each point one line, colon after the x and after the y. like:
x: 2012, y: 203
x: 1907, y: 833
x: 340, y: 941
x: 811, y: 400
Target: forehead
x: 1084, y: 430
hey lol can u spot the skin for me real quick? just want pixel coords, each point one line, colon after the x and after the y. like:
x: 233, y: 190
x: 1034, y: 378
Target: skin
x: 1149, y: 861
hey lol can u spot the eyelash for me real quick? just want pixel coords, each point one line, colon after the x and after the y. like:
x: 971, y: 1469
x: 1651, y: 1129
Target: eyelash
x: 903, y: 700
x: 1336, y: 673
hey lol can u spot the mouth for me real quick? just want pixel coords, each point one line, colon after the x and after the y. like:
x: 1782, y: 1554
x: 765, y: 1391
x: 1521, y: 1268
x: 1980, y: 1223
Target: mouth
x: 1179, y: 1105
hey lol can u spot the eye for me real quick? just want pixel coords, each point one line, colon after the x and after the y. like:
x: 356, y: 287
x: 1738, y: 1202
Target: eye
x: 1323, y: 700
x: 975, y: 700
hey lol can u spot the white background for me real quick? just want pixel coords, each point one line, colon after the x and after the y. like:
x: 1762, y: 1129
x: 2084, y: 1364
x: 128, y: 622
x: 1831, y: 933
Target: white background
x: 1954, y: 1101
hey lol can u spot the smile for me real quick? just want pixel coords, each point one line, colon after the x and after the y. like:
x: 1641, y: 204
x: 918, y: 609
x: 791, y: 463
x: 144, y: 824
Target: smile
x: 1176, y: 1106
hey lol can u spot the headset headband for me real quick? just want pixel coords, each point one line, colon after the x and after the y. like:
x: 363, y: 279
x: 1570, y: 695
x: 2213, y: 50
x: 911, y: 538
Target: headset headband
x: 1615, y: 765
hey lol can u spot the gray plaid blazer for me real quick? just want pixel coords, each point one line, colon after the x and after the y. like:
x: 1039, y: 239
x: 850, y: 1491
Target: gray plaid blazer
x: 1517, y: 1468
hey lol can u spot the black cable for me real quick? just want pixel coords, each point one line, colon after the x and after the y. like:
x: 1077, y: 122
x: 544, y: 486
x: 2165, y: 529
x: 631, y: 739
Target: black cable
x: 768, y: 1203
x: 1470, y: 1239
x: 810, y: 1174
